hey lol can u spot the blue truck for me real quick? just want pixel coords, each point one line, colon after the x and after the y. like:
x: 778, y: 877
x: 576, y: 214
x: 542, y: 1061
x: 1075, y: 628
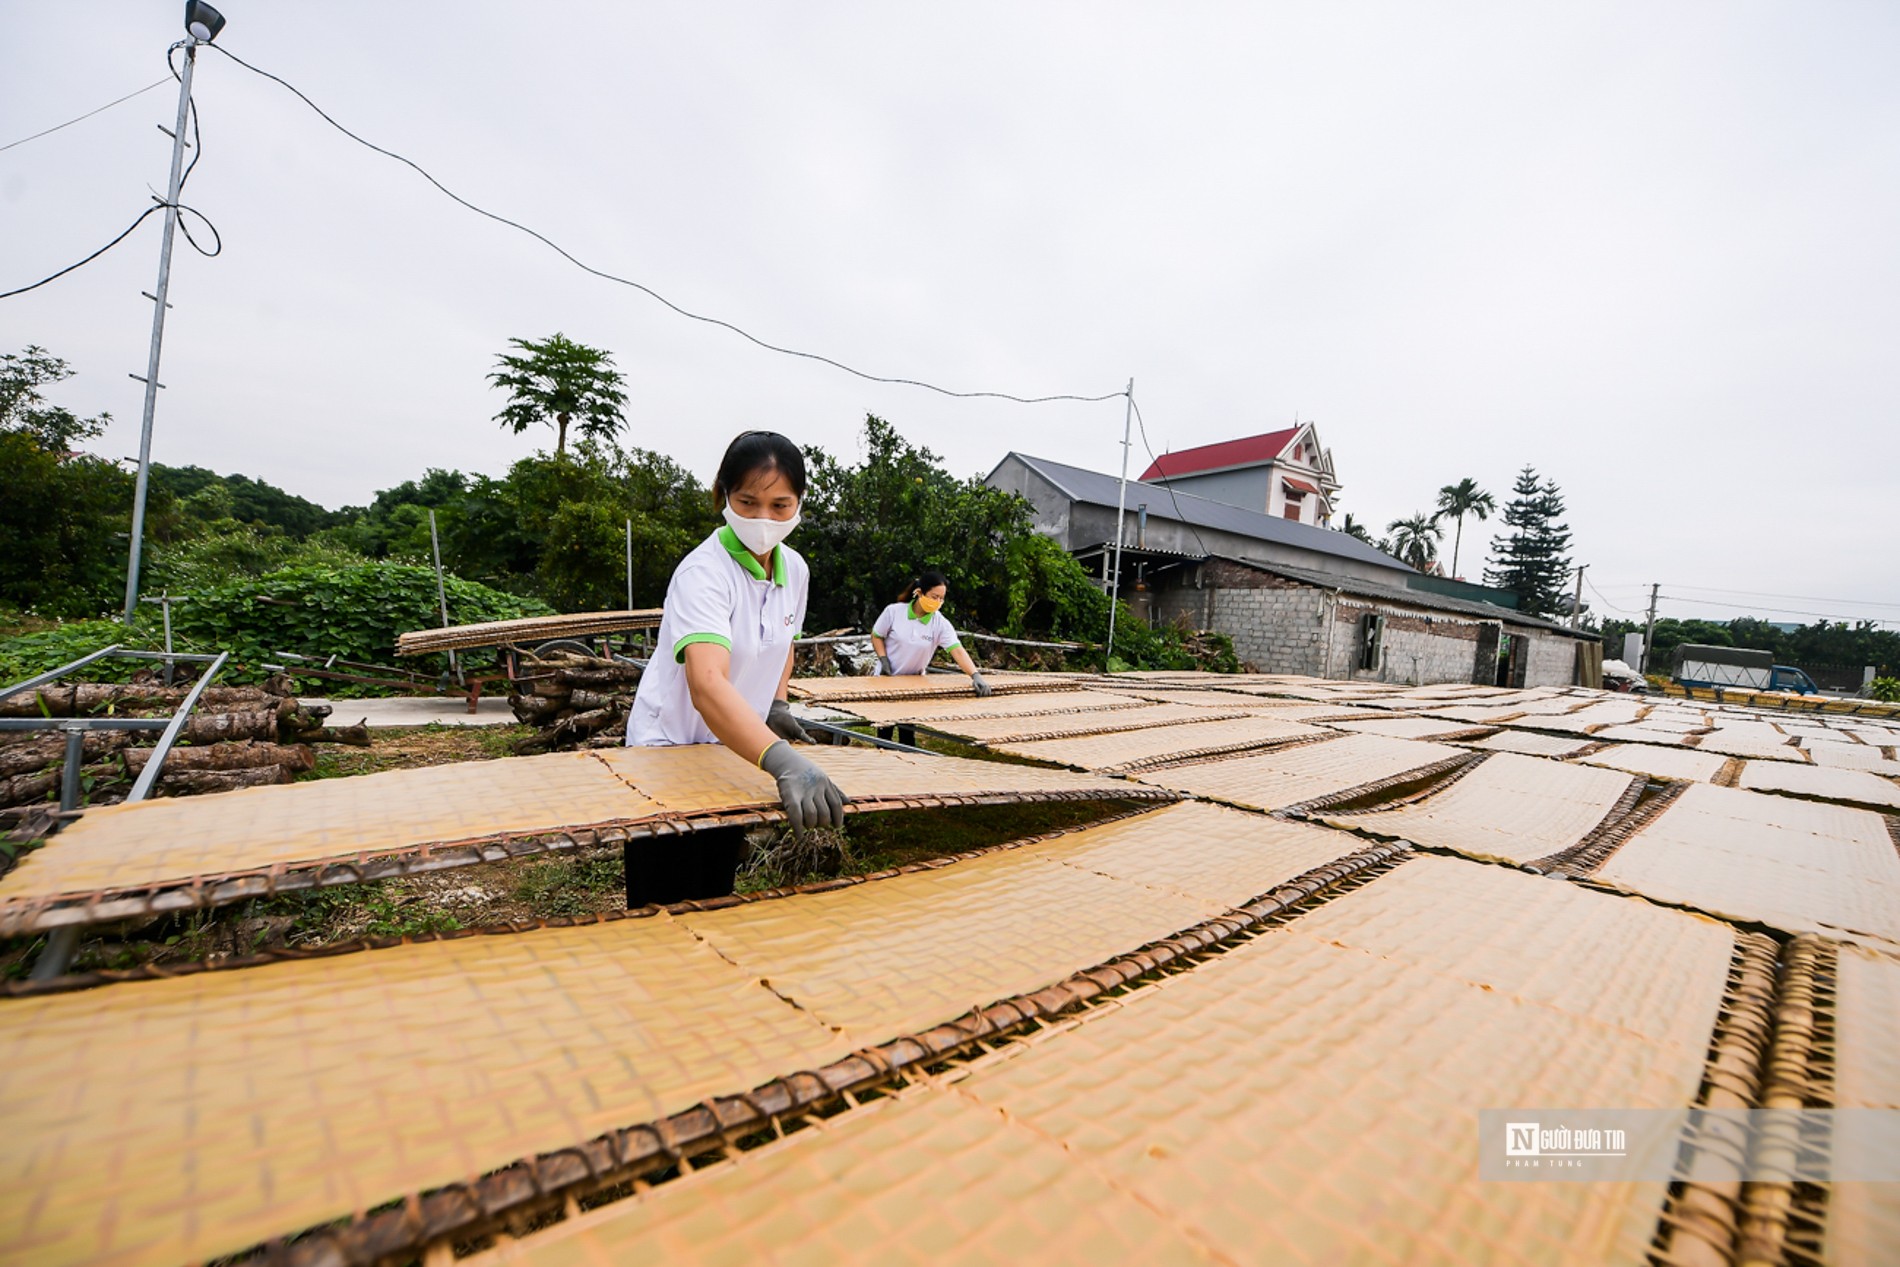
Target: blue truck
x: 1736, y: 668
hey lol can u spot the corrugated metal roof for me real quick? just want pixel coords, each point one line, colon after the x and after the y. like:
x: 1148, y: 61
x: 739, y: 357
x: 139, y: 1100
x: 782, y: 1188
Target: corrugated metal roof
x: 1401, y: 594
x: 1175, y: 506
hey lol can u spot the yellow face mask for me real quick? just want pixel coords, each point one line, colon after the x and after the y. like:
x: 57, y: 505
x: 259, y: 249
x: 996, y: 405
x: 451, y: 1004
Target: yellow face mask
x: 928, y: 605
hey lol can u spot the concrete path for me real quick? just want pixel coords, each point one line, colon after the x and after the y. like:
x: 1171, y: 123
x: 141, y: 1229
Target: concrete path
x: 443, y: 710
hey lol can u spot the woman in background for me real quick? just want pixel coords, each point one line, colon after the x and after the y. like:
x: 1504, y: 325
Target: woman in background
x: 909, y: 633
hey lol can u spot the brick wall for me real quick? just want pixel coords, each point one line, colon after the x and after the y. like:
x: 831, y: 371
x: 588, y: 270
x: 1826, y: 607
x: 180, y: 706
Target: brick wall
x: 1417, y: 647
x: 1552, y: 659
x: 1276, y: 629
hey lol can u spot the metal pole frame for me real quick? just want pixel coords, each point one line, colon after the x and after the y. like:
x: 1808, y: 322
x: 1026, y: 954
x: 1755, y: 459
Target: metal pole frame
x: 1121, y: 510
x: 442, y: 594
x: 158, y: 331
x: 872, y: 740
x: 53, y: 675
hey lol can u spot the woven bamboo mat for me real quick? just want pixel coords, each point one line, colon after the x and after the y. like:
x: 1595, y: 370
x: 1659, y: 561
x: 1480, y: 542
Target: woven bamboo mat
x: 527, y: 629
x: 1512, y: 808
x: 210, y: 850
x: 904, y: 954
x: 1029, y: 704
x: 281, y: 1096
x: 1840, y: 756
x: 1856, y: 787
x: 1122, y: 751
x: 1738, y: 742
x: 838, y: 690
x: 1410, y: 728
x: 1311, y: 1096
x: 1800, y: 866
x: 1272, y: 780
x: 1680, y: 764
x: 1530, y: 744
x: 1594, y: 716
x: 1644, y: 732
x: 1100, y: 721
x: 1864, y: 1218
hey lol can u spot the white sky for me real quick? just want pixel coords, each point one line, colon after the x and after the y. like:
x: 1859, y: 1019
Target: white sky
x: 1650, y: 249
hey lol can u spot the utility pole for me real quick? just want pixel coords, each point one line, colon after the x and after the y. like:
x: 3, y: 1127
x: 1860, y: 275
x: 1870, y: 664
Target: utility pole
x: 1649, y: 628
x: 1576, y: 604
x: 1121, y: 507
x: 158, y: 327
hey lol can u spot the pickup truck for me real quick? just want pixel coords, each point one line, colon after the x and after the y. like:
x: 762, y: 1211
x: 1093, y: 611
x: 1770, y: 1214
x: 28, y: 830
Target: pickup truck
x: 1733, y: 667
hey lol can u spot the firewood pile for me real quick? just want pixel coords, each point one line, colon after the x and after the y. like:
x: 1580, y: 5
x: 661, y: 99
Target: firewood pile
x: 238, y: 736
x: 574, y: 700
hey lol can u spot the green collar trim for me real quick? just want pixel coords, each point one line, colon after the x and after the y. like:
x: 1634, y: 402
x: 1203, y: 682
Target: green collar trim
x: 910, y: 609
x: 745, y: 559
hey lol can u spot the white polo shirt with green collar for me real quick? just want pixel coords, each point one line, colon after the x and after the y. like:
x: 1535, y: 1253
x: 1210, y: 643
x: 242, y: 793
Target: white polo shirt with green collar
x: 719, y: 593
x: 911, y: 640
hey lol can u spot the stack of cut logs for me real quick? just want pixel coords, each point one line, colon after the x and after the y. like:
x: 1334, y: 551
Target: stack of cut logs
x: 574, y: 700
x: 238, y: 736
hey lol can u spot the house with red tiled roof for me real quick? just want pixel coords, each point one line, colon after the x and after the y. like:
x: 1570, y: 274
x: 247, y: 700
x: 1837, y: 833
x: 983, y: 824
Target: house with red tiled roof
x: 1287, y: 474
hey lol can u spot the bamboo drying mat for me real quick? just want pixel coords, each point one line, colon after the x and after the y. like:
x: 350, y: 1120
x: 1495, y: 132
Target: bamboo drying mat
x: 1530, y: 744
x: 1800, y: 866
x: 1118, y: 753
x: 1644, y: 732
x: 210, y: 850
x: 1512, y: 808
x: 1412, y: 728
x: 1737, y: 743
x: 273, y: 1098
x: 1857, y: 787
x: 1592, y: 717
x: 1099, y: 721
x: 1863, y: 1219
x: 1273, y: 780
x: 1029, y: 704
x: 901, y: 955
x: 527, y: 629
x: 1310, y: 1096
x: 1679, y: 764
x: 838, y: 690
x: 1840, y: 756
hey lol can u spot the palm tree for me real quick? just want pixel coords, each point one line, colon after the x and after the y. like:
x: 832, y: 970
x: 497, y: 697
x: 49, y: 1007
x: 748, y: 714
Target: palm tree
x: 1415, y: 540
x: 1461, y: 499
x: 1353, y: 528
x: 557, y: 380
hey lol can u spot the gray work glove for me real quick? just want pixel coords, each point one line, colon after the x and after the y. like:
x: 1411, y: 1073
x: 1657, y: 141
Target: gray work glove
x: 779, y: 720
x: 884, y: 666
x: 983, y: 689
x: 810, y: 798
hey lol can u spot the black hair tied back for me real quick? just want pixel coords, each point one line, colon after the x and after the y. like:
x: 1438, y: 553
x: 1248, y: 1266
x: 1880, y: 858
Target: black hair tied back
x: 752, y: 452
x: 923, y: 583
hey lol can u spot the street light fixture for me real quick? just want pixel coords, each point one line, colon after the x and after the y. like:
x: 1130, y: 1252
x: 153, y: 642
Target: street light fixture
x: 202, y: 21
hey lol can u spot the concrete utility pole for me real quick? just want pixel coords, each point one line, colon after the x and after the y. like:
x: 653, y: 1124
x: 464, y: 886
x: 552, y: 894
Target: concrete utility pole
x: 1576, y: 604
x: 1649, y: 629
x: 158, y: 330
x: 1121, y: 508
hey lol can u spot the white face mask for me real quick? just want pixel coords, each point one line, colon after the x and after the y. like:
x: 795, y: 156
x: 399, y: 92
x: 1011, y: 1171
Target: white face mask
x: 760, y: 535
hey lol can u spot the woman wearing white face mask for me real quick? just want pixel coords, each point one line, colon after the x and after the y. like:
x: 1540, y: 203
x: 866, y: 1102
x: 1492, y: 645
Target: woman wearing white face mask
x: 723, y: 660
x: 909, y: 633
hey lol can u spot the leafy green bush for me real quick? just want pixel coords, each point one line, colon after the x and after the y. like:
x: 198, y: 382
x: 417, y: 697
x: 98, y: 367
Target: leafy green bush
x: 1886, y: 689
x: 352, y: 612
x: 31, y: 654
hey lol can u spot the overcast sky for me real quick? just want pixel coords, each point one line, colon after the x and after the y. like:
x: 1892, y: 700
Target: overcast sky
x: 1649, y: 249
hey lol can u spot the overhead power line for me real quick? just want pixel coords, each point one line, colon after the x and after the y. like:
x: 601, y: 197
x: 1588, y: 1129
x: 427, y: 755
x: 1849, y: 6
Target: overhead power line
x: 82, y: 118
x: 1628, y: 611
x: 1165, y: 482
x: 1780, y: 611
x: 639, y: 286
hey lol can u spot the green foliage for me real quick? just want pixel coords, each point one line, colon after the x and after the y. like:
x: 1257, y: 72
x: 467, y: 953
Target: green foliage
x: 227, y: 549
x: 1531, y: 558
x: 560, y: 381
x: 1822, y: 643
x: 61, y: 520
x: 1415, y: 540
x: 1457, y: 501
x: 23, y: 408
x: 1886, y: 689
x: 208, y: 496
x: 354, y: 612
x: 29, y: 655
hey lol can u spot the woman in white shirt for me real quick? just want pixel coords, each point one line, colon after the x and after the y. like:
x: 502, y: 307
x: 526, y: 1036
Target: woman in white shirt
x: 722, y: 663
x: 909, y: 633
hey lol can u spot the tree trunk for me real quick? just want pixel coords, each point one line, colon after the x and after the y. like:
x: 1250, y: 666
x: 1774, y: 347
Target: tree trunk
x: 227, y: 756
x: 40, y: 751
x: 560, y: 435
x: 84, y: 698
x: 194, y: 782
x: 1457, y: 540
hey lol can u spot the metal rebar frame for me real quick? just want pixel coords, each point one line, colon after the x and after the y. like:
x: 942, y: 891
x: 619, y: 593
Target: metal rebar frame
x: 64, y: 942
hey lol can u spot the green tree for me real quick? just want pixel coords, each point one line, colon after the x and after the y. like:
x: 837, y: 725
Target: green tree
x: 23, y: 407
x: 1531, y: 558
x: 1353, y: 528
x: 1461, y: 499
x: 558, y: 381
x: 1415, y: 540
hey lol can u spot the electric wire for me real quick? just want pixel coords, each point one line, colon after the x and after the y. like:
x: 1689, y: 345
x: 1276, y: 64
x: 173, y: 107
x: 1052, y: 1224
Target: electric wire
x: 644, y: 289
x: 82, y: 118
x: 1606, y: 601
x: 1800, y: 598
x: 1781, y: 611
x: 1165, y: 483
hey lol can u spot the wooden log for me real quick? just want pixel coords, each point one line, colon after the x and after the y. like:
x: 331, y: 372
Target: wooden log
x: 624, y: 677
x: 356, y: 736
x: 586, y: 701
x: 197, y: 782
x: 589, y: 722
x: 24, y: 788
x: 210, y: 728
x: 554, y: 690
x: 37, y: 751
x: 130, y: 699
x: 248, y: 755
